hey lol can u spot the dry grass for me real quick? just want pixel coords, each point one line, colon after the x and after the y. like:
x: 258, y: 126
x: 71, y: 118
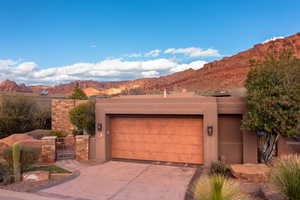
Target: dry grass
x: 285, y: 176
x: 217, y: 187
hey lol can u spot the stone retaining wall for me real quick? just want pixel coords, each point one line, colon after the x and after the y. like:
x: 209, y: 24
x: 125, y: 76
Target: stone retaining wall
x: 82, y: 147
x: 48, y: 149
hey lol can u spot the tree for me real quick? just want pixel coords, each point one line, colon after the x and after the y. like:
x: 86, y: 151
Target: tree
x: 83, y: 117
x: 78, y: 94
x: 273, y: 98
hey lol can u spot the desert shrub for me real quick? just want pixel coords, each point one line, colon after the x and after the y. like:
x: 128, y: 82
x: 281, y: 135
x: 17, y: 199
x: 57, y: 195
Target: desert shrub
x: 42, y: 119
x: 5, y: 175
x: 217, y: 187
x: 57, y: 133
x: 83, y: 117
x: 219, y: 168
x: 19, y: 114
x: 285, y: 175
x: 29, y: 155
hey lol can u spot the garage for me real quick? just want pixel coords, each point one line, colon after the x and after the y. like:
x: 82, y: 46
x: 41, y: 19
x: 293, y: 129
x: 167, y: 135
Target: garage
x: 188, y: 129
x: 157, y: 138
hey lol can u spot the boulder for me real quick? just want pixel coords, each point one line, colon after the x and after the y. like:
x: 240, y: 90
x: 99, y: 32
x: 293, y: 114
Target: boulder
x: 22, y: 139
x: 31, y: 142
x: 250, y: 172
x: 35, y: 176
x: 3, y: 146
x: 38, y: 133
x: 12, y: 139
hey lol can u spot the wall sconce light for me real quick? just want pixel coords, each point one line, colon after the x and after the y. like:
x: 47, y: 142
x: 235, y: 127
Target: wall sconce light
x: 99, y: 127
x: 210, y: 130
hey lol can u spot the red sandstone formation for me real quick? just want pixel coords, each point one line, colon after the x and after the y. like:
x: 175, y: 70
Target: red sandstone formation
x: 10, y: 86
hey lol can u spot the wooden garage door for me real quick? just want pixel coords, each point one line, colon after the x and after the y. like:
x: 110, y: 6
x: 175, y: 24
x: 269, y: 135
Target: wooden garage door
x: 171, y: 139
x: 230, y: 138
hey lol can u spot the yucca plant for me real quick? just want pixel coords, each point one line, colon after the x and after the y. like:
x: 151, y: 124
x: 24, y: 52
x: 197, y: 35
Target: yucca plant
x: 217, y: 187
x: 285, y: 175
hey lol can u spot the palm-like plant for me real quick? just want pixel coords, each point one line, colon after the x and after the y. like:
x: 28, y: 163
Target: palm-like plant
x: 217, y: 187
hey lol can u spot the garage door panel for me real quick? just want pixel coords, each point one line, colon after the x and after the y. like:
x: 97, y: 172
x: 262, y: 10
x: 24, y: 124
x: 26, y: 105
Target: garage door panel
x: 153, y: 138
x: 172, y: 139
x: 157, y: 148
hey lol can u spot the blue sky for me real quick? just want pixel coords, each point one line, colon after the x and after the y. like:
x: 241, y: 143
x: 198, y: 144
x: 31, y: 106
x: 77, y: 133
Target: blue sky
x: 54, y: 41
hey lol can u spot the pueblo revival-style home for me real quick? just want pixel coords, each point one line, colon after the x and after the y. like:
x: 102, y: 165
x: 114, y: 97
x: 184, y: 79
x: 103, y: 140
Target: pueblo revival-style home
x: 192, y: 129
x: 181, y: 129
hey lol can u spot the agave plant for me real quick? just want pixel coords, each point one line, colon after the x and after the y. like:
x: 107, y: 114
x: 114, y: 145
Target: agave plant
x: 217, y: 187
x: 285, y: 175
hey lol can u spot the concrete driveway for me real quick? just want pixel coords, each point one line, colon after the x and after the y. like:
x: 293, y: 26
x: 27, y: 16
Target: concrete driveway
x: 116, y: 180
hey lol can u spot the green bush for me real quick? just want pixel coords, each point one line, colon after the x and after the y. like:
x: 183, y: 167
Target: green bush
x: 285, y: 175
x: 57, y: 133
x: 78, y: 93
x: 220, y: 168
x: 49, y: 168
x: 273, y: 96
x: 217, y: 187
x: 29, y: 155
x: 83, y: 117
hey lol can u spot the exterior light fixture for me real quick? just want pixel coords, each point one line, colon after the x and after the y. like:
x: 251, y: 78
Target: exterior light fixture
x: 99, y: 126
x: 210, y: 130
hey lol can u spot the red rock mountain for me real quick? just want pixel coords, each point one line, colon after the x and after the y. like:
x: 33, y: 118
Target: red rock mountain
x: 10, y: 86
x: 227, y: 73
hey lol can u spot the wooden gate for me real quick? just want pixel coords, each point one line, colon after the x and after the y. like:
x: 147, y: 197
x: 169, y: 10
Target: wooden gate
x: 65, y: 148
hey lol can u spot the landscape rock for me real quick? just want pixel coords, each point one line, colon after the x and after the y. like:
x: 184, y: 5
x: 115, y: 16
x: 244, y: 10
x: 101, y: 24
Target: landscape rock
x: 35, y: 176
x: 38, y: 133
x: 270, y: 194
x: 14, y: 138
x: 250, y: 172
x: 22, y: 139
x: 3, y: 146
x: 31, y: 143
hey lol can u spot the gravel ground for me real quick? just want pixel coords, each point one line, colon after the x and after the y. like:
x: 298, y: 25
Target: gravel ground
x: 28, y: 186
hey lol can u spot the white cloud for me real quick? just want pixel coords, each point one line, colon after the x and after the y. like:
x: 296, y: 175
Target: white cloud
x: 272, y: 39
x: 193, y: 52
x: 93, y: 46
x: 193, y: 65
x: 153, y: 53
x: 149, y: 74
x: 133, y: 55
x: 105, y: 70
x: 26, y: 67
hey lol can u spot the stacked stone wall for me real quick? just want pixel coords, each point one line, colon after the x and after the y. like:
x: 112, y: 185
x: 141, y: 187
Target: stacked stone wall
x: 60, y: 114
